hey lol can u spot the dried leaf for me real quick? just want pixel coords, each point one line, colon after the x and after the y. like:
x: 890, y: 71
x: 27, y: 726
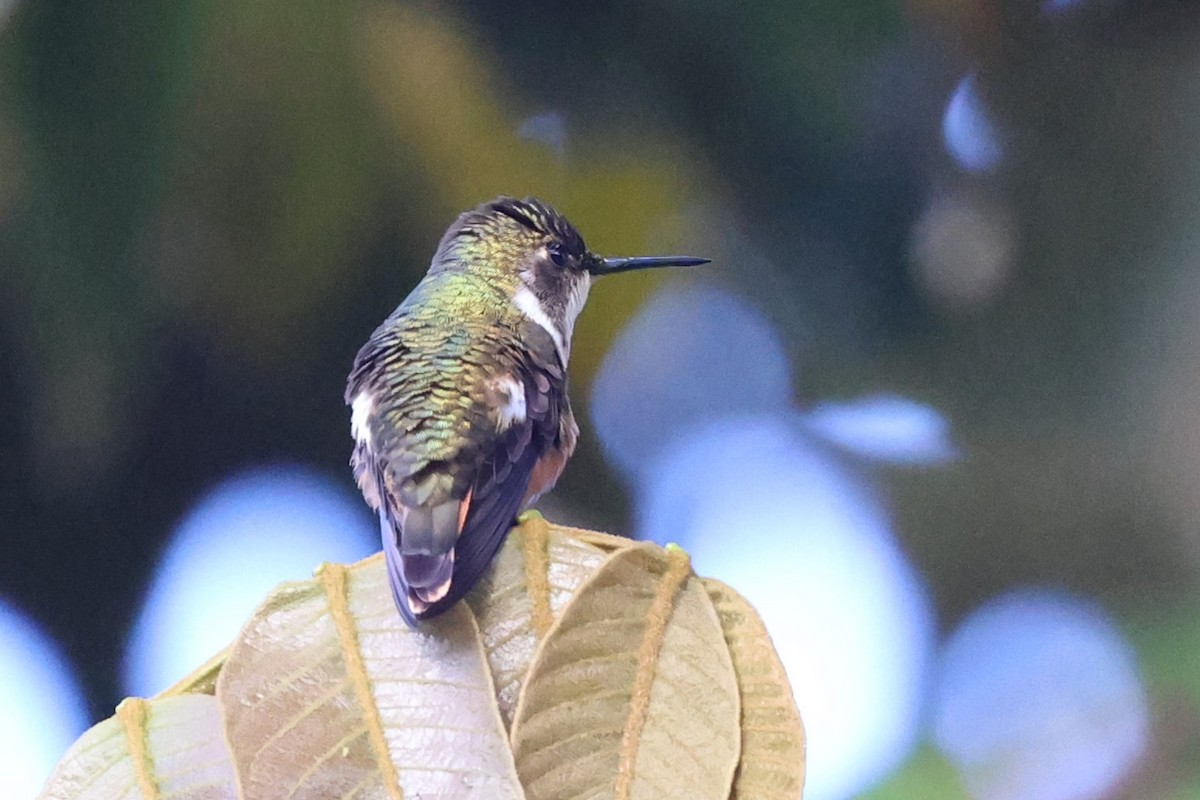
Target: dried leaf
x: 166, y: 748
x: 202, y: 680
x: 607, y: 542
x: 328, y: 694
x: 621, y: 678
x: 772, y: 760
x: 532, y: 579
x: 632, y: 693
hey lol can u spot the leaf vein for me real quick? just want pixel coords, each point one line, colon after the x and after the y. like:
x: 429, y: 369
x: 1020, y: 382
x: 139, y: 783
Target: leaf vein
x: 333, y: 577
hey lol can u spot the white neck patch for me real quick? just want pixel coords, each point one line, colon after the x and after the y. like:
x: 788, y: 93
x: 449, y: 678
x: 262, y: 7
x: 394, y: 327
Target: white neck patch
x: 579, y: 296
x: 526, y: 301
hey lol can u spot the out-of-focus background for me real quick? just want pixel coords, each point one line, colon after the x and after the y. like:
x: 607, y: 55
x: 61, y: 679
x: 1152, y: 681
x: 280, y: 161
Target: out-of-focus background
x: 935, y: 408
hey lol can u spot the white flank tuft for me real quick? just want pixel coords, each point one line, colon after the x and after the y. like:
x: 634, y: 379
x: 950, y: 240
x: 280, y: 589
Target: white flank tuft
x: 513, y: 408
x: 360, y: 409
x: 527, y: 302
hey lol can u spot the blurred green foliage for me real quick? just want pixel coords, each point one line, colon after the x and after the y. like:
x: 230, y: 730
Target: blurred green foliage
x: 926, y: 775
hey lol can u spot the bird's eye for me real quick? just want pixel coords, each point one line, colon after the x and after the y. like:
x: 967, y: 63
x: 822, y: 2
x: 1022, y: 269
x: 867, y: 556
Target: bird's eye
x: 556, y: 254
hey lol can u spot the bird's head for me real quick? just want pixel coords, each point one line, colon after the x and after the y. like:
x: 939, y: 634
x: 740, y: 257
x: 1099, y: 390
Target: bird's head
x: 530, y: 252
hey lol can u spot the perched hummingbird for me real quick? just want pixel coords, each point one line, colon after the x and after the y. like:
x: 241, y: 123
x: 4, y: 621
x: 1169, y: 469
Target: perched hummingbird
x: 459, y: 408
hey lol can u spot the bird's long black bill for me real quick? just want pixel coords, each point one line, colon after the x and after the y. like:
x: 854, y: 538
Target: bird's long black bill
x: 609, y: 266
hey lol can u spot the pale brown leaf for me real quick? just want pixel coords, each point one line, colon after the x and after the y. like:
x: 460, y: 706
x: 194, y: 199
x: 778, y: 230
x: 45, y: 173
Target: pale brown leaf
x: 632, y: 693
x: 328, y: 694
x: 201, y: 680
x: 538, y: 567
x: 607, y: 542
x: 624, y: 676
x: 772, y: 760
x: 170, y: 748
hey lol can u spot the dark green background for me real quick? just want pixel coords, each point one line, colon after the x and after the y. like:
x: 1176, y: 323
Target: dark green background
x: 205, y: 206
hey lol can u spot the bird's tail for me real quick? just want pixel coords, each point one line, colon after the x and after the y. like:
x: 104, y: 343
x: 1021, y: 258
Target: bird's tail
x: 418, y: 543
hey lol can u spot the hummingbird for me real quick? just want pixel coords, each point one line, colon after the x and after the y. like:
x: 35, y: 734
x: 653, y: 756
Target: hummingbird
x: 458, y: 401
